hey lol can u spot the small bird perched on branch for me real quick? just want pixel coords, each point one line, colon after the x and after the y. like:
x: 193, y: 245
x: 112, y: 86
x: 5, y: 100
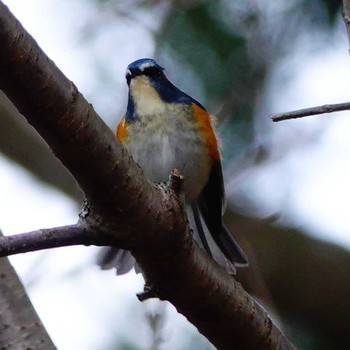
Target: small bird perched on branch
x: 164, y: 129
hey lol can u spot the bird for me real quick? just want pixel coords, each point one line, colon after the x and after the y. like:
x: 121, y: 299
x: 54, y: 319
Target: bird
x: 165, y: 129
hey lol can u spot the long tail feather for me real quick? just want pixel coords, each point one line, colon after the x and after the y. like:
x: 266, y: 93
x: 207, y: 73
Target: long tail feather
x: 230, y: 247
x: 200, y: 229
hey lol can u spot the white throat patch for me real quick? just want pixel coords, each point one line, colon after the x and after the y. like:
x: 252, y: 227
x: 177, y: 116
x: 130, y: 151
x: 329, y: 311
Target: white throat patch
x: 146, y: 98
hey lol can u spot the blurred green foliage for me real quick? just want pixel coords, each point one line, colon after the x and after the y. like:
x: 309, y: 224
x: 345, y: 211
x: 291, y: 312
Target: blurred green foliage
x: 333, y: 8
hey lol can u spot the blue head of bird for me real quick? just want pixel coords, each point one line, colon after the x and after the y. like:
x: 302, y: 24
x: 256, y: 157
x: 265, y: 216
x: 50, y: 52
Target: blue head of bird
x: 150, y: 90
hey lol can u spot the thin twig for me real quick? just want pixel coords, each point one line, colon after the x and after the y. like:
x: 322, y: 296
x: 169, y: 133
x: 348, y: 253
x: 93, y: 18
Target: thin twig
x: 46, y: 238
x: 300, y: 113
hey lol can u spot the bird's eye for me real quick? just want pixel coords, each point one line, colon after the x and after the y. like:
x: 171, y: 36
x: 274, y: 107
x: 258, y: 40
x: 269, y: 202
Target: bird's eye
x: 153, y: 72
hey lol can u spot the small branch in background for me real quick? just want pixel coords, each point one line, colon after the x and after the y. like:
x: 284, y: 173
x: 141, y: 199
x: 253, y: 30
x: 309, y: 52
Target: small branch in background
x: 300, y: 113
x: 325, y: 108
x: 346, y: 17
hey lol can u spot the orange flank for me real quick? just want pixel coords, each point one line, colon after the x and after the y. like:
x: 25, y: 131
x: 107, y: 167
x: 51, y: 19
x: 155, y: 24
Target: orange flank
x: 121, y: 132
x: 203, y: 120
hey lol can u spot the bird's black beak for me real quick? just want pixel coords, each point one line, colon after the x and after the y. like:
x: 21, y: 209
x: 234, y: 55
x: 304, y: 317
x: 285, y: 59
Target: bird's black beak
x: 131, y: 73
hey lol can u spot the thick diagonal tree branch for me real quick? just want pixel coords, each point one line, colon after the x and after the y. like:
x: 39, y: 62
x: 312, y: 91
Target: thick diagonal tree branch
x: 123, y: 206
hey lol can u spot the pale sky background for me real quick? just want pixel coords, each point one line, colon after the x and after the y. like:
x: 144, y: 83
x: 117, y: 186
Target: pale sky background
x: 309, y: 187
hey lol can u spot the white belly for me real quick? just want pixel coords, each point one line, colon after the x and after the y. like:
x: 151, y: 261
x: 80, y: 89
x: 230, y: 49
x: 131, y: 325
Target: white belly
x: 160, y: 145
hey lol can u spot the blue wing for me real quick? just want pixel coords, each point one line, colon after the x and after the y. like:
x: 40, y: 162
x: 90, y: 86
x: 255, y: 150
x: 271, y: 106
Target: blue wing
x: 209, y: 207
